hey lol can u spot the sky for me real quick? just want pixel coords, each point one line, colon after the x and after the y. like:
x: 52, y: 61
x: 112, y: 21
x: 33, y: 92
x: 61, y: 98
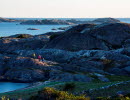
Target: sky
x: 65, y: 8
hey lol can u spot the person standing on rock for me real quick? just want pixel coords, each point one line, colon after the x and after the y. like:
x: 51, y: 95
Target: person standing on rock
x: 34, y: 55
x: 43, y: 59
x: 39, y: 57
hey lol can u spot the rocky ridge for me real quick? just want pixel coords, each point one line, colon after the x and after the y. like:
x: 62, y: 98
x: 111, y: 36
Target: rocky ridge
x: 77, y: 54
x: 91, y: 36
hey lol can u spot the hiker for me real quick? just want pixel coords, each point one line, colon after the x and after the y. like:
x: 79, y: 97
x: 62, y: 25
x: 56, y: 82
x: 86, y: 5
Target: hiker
x: 43, y: 59
x: 34, y: 55
x: 39, y: 57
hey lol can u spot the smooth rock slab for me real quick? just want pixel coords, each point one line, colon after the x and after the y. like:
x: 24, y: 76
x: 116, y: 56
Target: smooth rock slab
x: 127, y: 69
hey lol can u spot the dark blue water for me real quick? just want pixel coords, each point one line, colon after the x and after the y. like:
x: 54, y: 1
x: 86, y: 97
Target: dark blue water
x: 7, y: 29
x: 7, y: 86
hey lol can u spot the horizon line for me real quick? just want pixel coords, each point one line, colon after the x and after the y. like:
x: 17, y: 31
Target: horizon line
x: 65, y: 17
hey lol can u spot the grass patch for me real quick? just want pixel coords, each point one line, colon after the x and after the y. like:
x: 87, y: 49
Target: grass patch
x: 111, y: 91
x: 76, y: 87
x: 53, y: 94
x: 24, y: 36
x: 114, y: 78
x: 81, y: 86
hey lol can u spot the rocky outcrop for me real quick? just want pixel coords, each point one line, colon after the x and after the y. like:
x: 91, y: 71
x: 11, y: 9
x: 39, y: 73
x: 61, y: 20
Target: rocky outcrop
x: 80, y: 28
x: 85, y: 60
x: 22, y: 42
x: 61, y: 65
x: 113, y: 34
x: 78, y: 54
x: 24, y: 69
x: 32, y: 29
x: 76, y: 42
x: 90, y: 36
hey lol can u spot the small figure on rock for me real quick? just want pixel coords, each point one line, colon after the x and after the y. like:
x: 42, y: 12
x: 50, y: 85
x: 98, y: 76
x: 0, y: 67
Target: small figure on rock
x: 39, y: 57
x: 43, y: 59
x: 34, y: 55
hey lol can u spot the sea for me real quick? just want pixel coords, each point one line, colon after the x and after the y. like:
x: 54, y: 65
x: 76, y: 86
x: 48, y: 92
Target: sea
x: 8, y: 86
x: 12, y: 28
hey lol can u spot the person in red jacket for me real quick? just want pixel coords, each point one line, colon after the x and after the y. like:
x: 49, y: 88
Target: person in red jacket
x: 39, y: 57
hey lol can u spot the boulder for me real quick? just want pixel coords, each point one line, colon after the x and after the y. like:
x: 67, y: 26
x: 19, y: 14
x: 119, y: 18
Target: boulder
x: 127, y: 69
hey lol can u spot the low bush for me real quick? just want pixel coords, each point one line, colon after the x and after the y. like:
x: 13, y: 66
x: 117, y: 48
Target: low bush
x: 23, y: 36
x: 52, y: 94
x: 69, y: 86
x: 4, y: 98
x: 53, y: 36
x: 106, y: 61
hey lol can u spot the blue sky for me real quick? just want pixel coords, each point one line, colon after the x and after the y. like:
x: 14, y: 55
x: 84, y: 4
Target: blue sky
x: 65, y: 8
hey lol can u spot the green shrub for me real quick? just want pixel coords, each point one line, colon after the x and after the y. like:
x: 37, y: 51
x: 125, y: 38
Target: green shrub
x: 69, y: 86
x: 53, y: 36
x: 106, y: 61
x: 52, y: 94
x: 103, y: 98
x: 1, y: 37
x: 23, y: 36
x: 4, y: 98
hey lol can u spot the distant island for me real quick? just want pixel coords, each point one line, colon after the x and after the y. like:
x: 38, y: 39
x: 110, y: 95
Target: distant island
x: 9, y: 20
x: 68, y: 22
x: 60, y: 22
